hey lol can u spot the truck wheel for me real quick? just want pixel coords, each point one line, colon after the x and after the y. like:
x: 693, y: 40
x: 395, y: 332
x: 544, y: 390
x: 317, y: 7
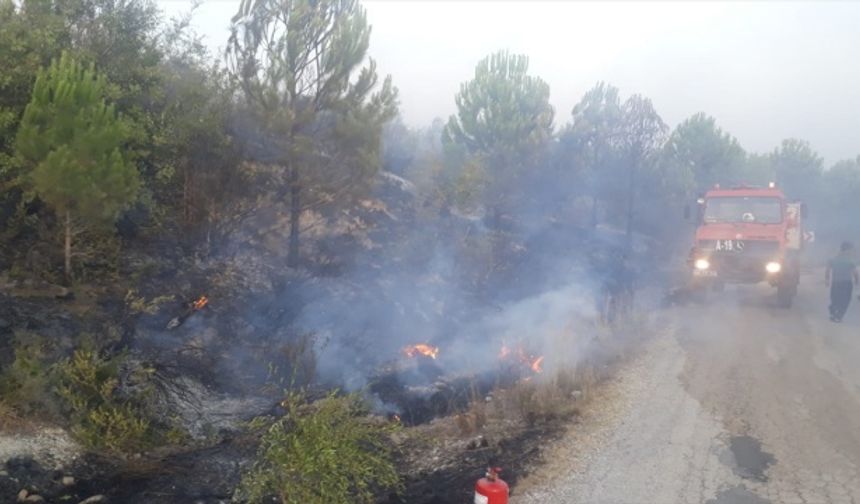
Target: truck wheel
x: 785, y: 295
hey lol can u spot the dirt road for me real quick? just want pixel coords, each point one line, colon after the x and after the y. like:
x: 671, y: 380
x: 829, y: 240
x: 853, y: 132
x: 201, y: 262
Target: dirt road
x: 737, y: 402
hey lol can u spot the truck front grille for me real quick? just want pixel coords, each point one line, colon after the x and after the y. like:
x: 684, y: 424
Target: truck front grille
x: 746, y: 264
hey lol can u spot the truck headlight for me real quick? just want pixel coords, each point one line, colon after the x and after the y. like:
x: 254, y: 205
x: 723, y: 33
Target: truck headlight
x: 702, y: 264
x: 773, y: 267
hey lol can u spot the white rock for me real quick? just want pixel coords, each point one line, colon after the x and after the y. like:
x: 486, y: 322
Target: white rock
x: 94, y: 499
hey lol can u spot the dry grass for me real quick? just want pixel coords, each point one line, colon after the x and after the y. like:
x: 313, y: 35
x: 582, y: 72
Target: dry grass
x: 10, y: 421
x: 544, y: 399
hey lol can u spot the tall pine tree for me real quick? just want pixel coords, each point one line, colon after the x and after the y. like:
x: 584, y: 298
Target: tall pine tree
x: 71, y: 142
x: 315, y: 109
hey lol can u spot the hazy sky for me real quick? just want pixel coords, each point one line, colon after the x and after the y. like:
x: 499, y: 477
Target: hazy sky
x: 765, y: 70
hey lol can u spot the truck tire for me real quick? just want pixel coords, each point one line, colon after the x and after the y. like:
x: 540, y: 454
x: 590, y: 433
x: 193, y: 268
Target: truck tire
x: 785, y: 295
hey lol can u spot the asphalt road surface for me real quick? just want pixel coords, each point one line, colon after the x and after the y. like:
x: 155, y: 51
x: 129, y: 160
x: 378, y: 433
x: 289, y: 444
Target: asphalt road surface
x: 736, y: 402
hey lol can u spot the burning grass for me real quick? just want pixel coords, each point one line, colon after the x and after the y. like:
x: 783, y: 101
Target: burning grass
x: 200, y: 303
x: 508, y: 426
x: 420, y: 386
x: 424, y: 349
x: 519, y: 356
x: 531, y: 400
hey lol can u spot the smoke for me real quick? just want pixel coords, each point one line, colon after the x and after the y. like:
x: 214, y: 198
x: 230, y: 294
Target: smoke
x: 397, y: 268
x: 418, y: 283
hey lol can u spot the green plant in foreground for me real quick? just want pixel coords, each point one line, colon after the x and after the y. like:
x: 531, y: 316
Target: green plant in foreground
x: 100, y: 419
x: 326, y: 452
x: 25, y: 383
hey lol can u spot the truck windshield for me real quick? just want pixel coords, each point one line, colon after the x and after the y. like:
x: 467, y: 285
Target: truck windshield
x: 762, y: 210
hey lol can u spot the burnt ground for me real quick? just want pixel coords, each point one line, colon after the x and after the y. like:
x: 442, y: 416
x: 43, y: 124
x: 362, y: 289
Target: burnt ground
x: 441, y: 460
x: 440, y: 478
x: 444, y: 458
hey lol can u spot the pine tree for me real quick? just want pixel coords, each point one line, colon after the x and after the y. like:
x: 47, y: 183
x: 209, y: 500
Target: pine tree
x: 315, y: 109
x: 70, y: 140
x: 504, y: 120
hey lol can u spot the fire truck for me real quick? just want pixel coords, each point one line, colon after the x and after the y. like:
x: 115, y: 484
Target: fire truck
x: 747, y: 235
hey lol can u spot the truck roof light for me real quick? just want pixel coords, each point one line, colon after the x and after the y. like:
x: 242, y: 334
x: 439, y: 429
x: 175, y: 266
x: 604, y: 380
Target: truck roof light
x: 716, y: 186
x: 771, y: 184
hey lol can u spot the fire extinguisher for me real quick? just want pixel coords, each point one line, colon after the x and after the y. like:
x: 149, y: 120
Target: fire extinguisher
x: 491, y: 489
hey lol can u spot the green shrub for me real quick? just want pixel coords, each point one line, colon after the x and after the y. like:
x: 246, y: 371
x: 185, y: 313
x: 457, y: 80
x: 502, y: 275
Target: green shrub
x: 25, y: 385
x: 327, y: 452
x: 100, y: 419
x: 138, y: 304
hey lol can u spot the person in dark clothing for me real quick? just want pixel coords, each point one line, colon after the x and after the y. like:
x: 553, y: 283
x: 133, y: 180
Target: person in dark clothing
x: 841, y: 276
x: 615, y: 295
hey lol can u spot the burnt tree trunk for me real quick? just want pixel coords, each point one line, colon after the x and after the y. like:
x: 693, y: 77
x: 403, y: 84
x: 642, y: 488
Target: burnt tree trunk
x: 631, y: 197
x: 295, y: 214
x: 594, y: 187
x: 67, y: 247
x: 186, y: 197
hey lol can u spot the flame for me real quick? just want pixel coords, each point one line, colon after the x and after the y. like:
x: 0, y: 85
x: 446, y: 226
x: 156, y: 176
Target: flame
x: 423, y: 349
x: 200, y: 303
x: 537, y: 365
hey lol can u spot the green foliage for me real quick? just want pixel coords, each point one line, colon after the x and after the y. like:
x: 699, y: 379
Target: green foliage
x: 26, y: 384
x: 503, y: 111
x: 29, y: 38
x: 840, y: 186
x: 72, y: 143
x: 758, y: 169
x: 587, y: 144
x: 326, y: 452
x: 313, y: 107
x: 101, y: 419
x: 73, y: 140
x: 641, y: 134
x: 198, y: 176
x: 503, y: 122
x: 699, y: 154
x: 138, y: 304
x: 798, y: 169
x: 28, y: 41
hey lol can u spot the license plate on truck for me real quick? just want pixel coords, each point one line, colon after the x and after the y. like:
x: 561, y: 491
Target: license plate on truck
x: 704, y: 273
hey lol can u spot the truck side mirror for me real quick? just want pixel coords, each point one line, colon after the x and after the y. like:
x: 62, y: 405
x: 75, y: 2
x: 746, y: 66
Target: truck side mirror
x: 687, y: 212
x: 804, y: 210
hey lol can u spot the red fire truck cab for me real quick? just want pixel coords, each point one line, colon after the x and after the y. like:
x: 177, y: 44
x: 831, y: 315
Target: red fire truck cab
x: 747, y: 235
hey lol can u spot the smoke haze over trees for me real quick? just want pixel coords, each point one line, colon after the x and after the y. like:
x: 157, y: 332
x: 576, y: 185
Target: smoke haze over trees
x: 143, y: 177
x: 293, y: 143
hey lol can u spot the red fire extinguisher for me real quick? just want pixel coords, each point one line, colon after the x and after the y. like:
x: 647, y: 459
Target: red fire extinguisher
x: 491, y: 489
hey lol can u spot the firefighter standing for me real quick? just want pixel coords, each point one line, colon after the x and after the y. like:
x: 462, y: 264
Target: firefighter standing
x: 841, y: 276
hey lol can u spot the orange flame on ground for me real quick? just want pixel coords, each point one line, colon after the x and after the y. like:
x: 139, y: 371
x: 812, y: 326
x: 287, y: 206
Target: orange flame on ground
x: 537, y: 365
x: 423, y: 349
x: 200, y: 303
x: 532, y: 362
